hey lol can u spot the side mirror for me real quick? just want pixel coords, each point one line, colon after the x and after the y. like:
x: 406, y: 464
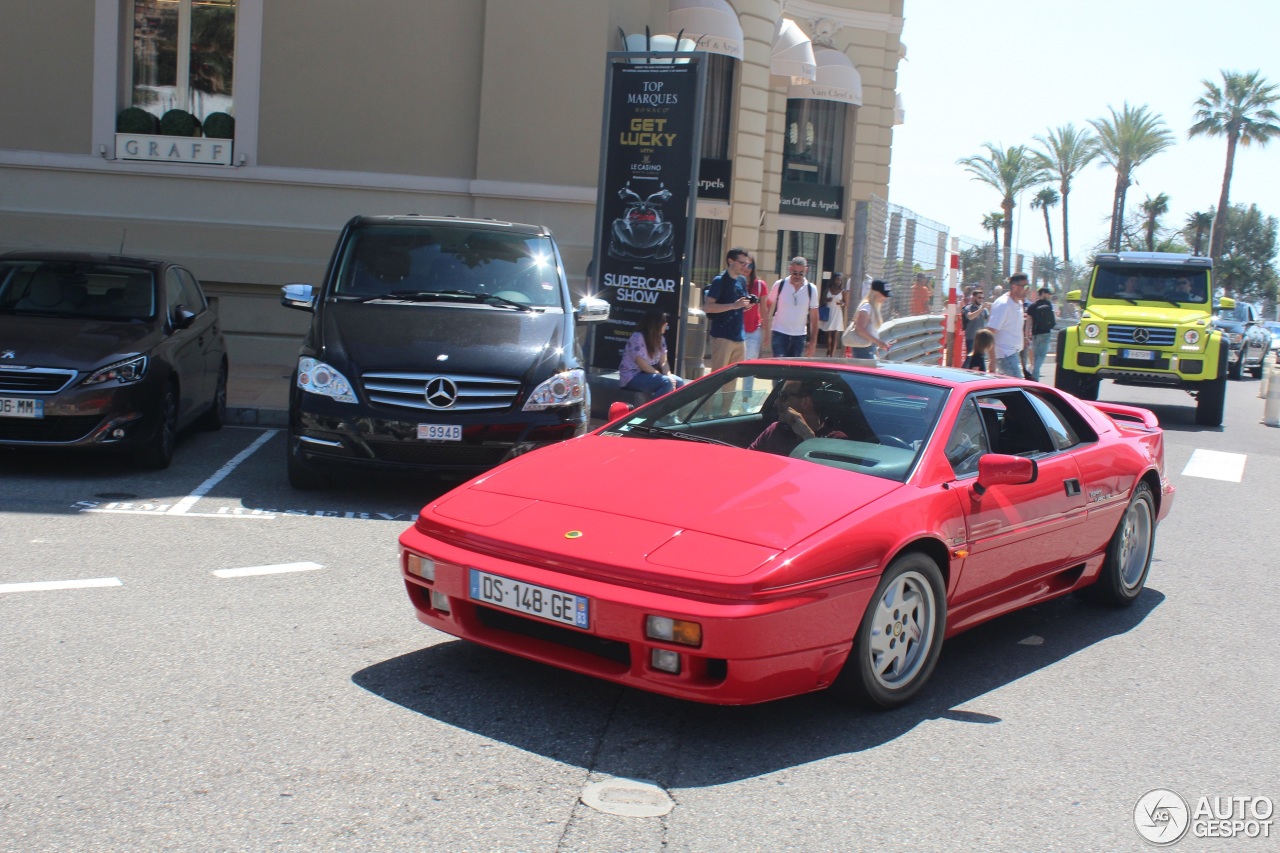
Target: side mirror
x: 182, y: 318
x: 1226, y: 302
x: 592, y: 309
x: 997, y: 469
x: 1073, y: 296
x: 617, y: 409
x: 299, y: 296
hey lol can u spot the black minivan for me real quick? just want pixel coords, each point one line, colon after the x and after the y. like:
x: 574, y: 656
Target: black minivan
x: 438, y: 345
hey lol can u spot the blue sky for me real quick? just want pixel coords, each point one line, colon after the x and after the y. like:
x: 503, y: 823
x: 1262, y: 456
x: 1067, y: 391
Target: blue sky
x: 1004, y: 71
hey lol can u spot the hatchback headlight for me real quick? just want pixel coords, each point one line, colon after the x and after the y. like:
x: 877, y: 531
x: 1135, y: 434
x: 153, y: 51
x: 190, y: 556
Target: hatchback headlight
x: 316, y: 377
x: 563, y: 389
x: 123, y: 372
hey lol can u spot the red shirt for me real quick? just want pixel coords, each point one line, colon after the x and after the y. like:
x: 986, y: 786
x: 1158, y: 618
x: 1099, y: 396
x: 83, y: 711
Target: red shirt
x: 751, y: 316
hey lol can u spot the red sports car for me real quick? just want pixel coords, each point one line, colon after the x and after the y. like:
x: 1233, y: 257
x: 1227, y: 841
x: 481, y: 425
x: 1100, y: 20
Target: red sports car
x: 780, y: 527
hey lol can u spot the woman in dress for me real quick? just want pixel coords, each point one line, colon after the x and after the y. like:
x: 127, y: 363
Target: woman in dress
x: 833, y: 301
x: 644, y: 359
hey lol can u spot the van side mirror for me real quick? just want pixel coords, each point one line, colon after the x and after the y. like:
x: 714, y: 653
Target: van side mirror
x: 299, y: 296
x: 592, y: 309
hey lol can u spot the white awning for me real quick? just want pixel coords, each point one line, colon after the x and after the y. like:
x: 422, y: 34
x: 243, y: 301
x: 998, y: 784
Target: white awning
x: 837, y: 80
x: 711, y: 23
x: 899, y: 114
x: 792, y: 53
x: 643, y: 43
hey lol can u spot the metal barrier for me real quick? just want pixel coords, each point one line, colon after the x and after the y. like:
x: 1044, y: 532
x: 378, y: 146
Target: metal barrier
x: 916, y: 340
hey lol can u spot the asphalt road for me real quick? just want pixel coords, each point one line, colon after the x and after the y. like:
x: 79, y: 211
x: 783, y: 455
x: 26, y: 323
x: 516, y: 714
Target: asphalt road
x: 171, y: 708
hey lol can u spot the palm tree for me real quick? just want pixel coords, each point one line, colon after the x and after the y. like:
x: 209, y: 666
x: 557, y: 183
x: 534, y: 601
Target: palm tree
x: 992, y: 222
x: 1198, y: 225
x: 1011, y: 172
x: 1066, y: 152
x: 1046, y: 198
x: 1240, y: 111
x: 1126, y: 140
x: 1152, y: 210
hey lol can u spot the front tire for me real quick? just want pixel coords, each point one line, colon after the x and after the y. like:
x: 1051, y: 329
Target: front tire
x: 1128, y: 560
x: 159, y: 453
x: 1236, y: 368
x: 1211, y: 400
x: 900, y: 636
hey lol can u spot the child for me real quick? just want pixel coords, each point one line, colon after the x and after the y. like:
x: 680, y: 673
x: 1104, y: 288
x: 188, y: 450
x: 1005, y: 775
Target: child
x: 984, y: 343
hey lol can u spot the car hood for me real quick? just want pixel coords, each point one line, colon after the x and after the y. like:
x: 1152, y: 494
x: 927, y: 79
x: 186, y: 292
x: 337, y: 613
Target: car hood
x: 649, y: 507
x: 1154, y: 314
x: 468, y: 338
x: 76, y: 343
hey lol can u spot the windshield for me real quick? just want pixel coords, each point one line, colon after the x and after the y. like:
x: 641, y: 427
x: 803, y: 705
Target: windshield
x: 855, y: 421
x: 463, y: 262
x: 71, y: 289
x: 1152, y: 284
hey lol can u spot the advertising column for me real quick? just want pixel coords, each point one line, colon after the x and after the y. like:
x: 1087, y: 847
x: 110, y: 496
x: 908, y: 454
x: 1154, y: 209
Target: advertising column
x: 645, y: 207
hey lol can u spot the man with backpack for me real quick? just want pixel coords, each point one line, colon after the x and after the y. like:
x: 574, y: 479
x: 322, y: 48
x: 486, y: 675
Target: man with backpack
x: 793, y: 304
x: 1043, y: 323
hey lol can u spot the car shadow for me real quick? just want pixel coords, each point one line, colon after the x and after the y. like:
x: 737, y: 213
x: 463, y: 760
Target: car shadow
x: 1175, y: 418
x: 628, y: 733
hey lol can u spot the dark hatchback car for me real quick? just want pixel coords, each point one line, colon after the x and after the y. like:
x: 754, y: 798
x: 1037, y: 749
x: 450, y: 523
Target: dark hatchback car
x: 107, y: 353
x: 437, y: 345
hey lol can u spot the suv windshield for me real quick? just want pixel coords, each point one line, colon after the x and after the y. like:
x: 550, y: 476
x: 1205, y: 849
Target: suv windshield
x: 1152, y: 284
x: 72, y: 289
x: 457, y: 261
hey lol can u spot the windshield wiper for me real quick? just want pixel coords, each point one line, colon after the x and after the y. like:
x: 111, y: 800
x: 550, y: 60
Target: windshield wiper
x: 663, y: 432
x: 507, y: 303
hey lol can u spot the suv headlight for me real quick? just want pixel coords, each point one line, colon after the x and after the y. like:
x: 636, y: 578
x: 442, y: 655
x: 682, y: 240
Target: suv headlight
x: 563, y: 389
x: 1091, y: 330
x: 1191, y: 336
x: 316, y: 377
x: 123, y: 372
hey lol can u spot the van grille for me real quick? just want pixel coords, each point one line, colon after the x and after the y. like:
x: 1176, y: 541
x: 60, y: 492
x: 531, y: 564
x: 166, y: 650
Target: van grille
x: 408, y: 390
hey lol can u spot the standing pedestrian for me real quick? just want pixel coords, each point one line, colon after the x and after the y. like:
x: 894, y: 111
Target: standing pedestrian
x: 725, y: 304
x: 755, y: 325
x: 921, y: 295
x: 863, y: 334
x: 793, y: 311
x: 974, y: 316
x: 833, y: 323
x: 1007, y: 324
x: 1042, y: 325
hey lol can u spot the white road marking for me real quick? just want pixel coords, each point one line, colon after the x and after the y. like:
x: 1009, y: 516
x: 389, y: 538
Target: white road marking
x: 181, y: 507
x: 44, y: 586
x: 1215, y: 465
x: 278, y: 569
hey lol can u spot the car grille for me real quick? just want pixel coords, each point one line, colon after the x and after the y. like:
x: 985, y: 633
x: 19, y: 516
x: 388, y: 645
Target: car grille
x: 417, y: 453
x: 47, y: 429
x: 408, y: 390
x: 1158, y: 336
x: 610, y: 650
x: 34, y: 380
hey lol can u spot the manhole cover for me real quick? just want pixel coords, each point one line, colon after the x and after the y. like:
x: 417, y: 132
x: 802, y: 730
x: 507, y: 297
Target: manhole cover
x: 627, y: 798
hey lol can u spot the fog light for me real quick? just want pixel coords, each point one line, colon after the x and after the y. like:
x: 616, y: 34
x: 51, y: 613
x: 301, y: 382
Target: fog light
x: 423, y: 567
x: 439, y: 600
x: 665, y: 660
x: 673, y: 630
x: 117, y: 433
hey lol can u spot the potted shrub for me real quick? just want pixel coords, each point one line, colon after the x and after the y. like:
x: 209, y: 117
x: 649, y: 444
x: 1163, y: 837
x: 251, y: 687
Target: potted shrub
x: 179, y: 123
x: 219, y: 126
x: 136, y: 120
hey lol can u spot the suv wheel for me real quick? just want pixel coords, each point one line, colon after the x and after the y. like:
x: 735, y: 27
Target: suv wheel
x: 1211, y: 398
x: 1236, y: 368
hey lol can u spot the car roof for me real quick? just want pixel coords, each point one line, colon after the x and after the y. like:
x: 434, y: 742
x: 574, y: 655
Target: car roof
x: 83, y: 258
x: 938, y: 373
x: 411, y: 220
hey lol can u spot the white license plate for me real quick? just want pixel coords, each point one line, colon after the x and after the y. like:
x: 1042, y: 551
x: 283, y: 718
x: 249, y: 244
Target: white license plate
x: 1140, y: 355
x: 440, y: 432
x: 18, y: 407
x: 550, y: 604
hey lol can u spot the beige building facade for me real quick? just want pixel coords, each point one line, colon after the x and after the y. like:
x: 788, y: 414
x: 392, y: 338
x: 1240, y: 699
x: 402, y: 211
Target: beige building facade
x: 489, y: 108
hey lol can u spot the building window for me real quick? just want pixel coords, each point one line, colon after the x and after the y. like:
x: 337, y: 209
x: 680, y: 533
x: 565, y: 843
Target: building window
x: 183, y: 56
x: 717, y: 106
x: 814, y: 149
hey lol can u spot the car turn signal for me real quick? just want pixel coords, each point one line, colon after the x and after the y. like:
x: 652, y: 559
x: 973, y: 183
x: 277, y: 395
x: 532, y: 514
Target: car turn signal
x: 673, y: 630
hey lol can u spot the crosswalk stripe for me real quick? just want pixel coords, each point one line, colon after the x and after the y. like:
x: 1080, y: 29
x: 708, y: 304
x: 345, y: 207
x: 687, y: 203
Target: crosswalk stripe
x: 44, y: 586
x: 279, y: 568
x: 1215, y: 465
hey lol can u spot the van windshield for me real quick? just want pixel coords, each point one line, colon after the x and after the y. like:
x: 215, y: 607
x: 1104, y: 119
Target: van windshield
x: 381, y: 261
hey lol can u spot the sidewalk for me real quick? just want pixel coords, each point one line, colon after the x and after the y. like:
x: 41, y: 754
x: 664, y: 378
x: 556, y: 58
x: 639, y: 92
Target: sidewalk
x: 258, y: 395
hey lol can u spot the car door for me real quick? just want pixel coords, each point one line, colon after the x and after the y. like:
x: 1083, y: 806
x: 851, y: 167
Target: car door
x: 1015, y: 533
x: 183, y: 349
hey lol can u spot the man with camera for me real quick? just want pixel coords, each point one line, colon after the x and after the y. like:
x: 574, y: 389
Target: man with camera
x: 726, y: 299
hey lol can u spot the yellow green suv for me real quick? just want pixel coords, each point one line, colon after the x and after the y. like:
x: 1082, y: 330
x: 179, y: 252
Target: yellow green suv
x: 1147, y: 319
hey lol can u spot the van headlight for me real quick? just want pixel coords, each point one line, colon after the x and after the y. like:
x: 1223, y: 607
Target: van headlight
x: 123, y: 372
x: 563, y: 389
x: 316, y: 377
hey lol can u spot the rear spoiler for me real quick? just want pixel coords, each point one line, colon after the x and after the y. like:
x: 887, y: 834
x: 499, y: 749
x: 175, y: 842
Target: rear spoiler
x: 1121, y: 412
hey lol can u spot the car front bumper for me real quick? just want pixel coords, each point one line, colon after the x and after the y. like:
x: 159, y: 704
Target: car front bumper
x: 107, y: 417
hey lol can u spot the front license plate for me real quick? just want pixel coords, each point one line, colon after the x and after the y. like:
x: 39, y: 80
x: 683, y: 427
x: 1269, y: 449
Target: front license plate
x: 440, y: 432
x: 17, y: 407
x: 1140, y: 355
x: 522, y: 597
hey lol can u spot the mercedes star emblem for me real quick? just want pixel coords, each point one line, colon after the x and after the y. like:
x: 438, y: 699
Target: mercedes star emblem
x: 1141, y: 336
x: 442, y: 393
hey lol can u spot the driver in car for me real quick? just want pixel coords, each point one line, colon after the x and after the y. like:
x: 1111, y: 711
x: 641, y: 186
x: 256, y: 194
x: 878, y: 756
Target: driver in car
x: 798, y: 420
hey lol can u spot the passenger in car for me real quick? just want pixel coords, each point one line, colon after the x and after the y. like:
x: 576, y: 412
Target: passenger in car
x: 798, y: 421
